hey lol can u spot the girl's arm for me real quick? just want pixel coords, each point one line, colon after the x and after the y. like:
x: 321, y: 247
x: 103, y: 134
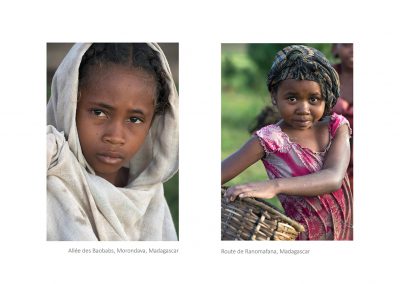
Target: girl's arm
x: 327, y: 180
x: 236, y: 163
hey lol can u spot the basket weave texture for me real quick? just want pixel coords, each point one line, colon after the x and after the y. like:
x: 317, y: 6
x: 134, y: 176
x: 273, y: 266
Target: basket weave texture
x: 250, y: 219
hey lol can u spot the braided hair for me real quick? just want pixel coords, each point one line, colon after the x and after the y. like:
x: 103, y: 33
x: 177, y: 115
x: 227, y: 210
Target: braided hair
x: 268, y: 115
x: 134, y: 55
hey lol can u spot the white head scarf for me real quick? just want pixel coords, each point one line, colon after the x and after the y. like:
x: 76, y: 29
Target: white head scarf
x: 83, y: 206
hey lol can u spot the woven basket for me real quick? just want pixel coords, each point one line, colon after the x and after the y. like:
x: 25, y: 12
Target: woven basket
x: 250, y: 219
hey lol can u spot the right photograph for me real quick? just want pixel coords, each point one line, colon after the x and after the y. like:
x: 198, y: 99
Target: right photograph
x: 287, y: 141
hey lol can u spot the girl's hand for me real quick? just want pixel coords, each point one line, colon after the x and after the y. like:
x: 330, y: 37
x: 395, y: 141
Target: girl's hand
x: 264, y: 189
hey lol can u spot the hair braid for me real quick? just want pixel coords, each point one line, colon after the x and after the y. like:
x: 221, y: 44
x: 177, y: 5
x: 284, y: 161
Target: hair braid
x: 163, y: 89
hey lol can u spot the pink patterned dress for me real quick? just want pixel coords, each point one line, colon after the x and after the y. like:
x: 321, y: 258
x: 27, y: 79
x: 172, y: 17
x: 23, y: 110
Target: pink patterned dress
x: 325, y: 217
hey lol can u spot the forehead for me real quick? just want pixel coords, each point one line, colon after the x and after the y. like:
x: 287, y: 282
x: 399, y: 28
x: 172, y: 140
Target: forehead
x: 107, y: 73
x: 119, y: 86
x: 299, y: 86
x: 115, y: 82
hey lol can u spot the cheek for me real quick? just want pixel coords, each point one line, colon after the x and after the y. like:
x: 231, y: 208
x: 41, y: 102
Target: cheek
x: 81, y: 134
x: 86, y: 132
x: 80, y: 119
x: 137, y: 140
x: 323, y: 106
x: 84, y: 139
x: 285, y: 108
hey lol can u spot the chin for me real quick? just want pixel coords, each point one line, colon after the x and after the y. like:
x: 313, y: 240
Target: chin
x: 104, y: 170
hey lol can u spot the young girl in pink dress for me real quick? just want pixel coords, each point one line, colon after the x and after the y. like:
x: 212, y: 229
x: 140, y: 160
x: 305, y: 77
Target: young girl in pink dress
x: 306, y: 153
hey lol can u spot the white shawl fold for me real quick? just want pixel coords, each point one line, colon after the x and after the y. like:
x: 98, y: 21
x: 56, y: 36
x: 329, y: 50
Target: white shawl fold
x: 84, y: 207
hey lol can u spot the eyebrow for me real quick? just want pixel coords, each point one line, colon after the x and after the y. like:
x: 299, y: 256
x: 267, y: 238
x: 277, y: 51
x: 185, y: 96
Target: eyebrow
x: 290, y: 93
x: 111, y: 108
x: 295, y: 94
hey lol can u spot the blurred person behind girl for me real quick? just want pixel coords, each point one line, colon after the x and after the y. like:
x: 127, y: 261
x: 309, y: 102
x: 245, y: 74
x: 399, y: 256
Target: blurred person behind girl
x: 344, y: 105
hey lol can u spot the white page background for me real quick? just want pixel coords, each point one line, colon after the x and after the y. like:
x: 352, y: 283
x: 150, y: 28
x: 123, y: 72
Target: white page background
x: 200, y: 29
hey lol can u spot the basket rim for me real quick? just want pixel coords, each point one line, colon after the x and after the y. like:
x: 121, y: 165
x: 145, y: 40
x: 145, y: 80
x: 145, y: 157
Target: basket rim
x: 268, y: 207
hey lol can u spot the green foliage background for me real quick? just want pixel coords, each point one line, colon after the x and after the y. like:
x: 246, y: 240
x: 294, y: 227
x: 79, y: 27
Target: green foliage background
x: 244, y: 95
x: 171, y: 191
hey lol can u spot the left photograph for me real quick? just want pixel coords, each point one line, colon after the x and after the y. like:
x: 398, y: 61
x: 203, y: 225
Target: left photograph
x: 112, y: 142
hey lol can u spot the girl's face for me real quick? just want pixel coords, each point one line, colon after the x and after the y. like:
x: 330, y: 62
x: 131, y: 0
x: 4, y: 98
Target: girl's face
x: 300, y: 103
x: 114, y: 115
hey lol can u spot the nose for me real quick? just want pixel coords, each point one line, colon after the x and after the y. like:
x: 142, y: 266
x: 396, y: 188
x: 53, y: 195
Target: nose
x: 303, y: 108
x: 114, y: 133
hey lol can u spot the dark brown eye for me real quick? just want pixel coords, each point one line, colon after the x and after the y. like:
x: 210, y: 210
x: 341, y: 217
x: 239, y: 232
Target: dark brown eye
x: 135, y: 119
x: 97, y: 112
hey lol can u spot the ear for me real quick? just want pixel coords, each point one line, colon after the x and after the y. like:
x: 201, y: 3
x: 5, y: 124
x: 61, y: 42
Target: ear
x: 273, y: 98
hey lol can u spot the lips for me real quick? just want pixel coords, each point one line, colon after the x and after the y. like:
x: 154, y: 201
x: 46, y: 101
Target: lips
x: 110, y: 158
x: 301, y: 122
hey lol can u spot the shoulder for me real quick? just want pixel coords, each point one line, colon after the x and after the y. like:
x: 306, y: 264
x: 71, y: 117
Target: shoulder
x: 55, y: 138
x: 271, y: 138
x: 337, y: 121
x: 51, y: 131
x: 55, y: 144
x: 268, y: 131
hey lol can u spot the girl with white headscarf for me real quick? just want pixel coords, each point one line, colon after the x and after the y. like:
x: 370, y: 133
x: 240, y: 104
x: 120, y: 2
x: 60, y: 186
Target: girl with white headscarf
x: 112, y: 141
